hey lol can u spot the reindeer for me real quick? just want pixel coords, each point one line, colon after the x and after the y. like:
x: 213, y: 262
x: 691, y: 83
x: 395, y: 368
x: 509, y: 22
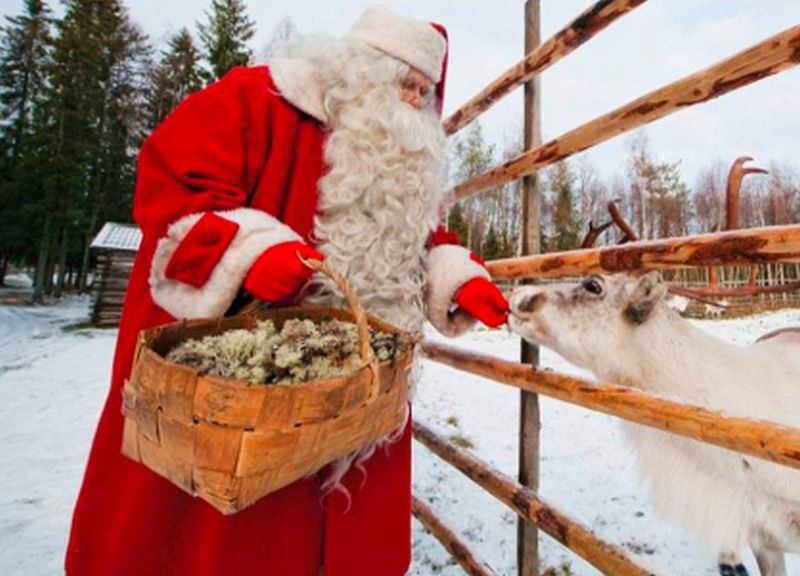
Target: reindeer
x: 619, y: 328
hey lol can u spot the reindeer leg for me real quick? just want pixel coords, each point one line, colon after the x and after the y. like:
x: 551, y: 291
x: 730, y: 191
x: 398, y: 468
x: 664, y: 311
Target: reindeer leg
x: 768, y: 552
x: 730, y: 564
x: 770, y: 561
x: 733, y: 570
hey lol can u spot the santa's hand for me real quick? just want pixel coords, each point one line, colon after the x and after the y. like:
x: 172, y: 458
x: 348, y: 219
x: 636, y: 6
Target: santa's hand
x: 481, y: 299
x: 278, y: 272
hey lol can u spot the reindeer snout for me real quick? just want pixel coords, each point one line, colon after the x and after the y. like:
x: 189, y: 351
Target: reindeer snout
x: 526, y: 300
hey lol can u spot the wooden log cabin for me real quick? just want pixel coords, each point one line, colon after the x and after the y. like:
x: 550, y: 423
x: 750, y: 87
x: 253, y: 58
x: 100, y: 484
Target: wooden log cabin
x: 115, y: 247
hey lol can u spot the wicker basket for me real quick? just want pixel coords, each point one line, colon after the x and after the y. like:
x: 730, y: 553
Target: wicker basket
x: 230, y: 442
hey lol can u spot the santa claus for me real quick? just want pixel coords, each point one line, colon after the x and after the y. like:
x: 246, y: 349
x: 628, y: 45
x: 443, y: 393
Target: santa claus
x: 334, y: 151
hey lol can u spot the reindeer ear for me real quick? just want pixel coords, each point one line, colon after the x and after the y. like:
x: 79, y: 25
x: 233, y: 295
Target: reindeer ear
x: 649, y: 291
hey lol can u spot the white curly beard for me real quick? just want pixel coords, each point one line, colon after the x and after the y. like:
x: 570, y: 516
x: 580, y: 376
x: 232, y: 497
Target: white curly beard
x: 381, y: 198
x: 379, y: 201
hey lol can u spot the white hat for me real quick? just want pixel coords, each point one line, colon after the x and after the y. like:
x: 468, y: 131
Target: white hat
x: 415, y: 42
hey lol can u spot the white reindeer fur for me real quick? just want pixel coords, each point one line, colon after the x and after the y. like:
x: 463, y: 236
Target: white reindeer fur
x: 725, y: 498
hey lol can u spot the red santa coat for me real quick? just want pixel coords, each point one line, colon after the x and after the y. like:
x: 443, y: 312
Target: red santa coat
x: 240, y: 149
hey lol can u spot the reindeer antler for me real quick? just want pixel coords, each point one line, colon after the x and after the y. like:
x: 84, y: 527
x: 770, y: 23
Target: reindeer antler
x: 616, y: 218
x: 622, y: 224
x: 735, y: 176
x: 593, y: 233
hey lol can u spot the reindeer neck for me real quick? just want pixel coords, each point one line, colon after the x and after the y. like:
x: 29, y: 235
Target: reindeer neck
x: 669, y: 355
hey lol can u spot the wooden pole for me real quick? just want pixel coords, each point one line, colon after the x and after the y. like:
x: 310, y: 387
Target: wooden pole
x: 713, y: 278
x: 608, y: 558
x: 760, y: 61
x: 765, y: 440
x: 457, y: 549
x: 540, y: 57
x: 529, y: 417
x: 751, y: 246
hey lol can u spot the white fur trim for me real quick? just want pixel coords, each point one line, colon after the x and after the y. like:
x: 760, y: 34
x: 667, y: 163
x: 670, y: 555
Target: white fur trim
x: 449, y: 266
x: 413, y: 41
x: 257, y: 232
x: 298, y: 84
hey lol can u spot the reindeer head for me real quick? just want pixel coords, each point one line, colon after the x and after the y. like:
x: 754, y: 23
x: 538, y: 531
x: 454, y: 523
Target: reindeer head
x: 589, y: 322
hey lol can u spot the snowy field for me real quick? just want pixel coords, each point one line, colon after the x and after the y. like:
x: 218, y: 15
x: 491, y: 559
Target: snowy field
x: 53, y: 383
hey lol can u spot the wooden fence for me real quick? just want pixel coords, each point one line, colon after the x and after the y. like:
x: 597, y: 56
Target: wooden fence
x: 763, y: 246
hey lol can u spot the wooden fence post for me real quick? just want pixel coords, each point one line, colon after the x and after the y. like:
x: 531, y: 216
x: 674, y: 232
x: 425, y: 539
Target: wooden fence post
x: 529, y: 425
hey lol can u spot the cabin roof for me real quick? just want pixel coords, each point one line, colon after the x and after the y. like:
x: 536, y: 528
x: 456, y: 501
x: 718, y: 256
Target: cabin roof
x: 116, y: 236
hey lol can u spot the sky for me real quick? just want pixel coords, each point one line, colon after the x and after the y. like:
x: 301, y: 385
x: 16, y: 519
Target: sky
x: 656, y: 44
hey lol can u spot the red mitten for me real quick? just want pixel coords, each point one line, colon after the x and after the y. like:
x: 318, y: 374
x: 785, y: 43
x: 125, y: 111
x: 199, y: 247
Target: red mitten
x: 278, y: 272
x: 481, y: 299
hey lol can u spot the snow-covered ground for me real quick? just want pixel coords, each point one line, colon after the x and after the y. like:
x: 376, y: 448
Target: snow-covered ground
x: 53, y: 383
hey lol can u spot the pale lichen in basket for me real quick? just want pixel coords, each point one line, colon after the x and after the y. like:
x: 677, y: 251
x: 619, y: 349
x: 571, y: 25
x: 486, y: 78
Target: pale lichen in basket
x: 301, y: 351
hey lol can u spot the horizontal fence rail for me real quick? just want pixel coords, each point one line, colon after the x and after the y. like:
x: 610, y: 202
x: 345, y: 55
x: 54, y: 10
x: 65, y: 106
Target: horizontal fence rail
x: 458, y: 550
x: 576, y: 33
x: 735, y: 292
x: 764, y: 440
x: 766, y: 58
x: 608, y: 558
x: 751, y: 246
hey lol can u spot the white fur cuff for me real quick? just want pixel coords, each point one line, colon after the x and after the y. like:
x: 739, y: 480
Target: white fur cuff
x: 257, y: 232
x: 449, y: 266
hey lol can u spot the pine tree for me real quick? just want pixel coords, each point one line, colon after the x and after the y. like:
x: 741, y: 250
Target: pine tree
x: 562, y: 182
x: 175, y: 77
x: 671, y: 206
x: 224, y: 37
x: 24, y: 50
x: 23, y: 55
x: 457, y: 223
x: 660, y: 197
x: 496, y: 246
x: 93, y: 126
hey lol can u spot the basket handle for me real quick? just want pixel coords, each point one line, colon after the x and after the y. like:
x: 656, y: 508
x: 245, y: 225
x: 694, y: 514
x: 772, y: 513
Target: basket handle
x: 364, y: 348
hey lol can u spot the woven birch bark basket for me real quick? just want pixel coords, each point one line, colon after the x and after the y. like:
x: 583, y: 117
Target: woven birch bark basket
x: 231, y: 442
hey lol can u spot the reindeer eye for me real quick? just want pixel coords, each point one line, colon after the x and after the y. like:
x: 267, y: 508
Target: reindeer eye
x: 593, y: 286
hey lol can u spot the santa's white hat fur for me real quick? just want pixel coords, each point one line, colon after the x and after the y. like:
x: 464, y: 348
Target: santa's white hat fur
x: 415, y: 42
